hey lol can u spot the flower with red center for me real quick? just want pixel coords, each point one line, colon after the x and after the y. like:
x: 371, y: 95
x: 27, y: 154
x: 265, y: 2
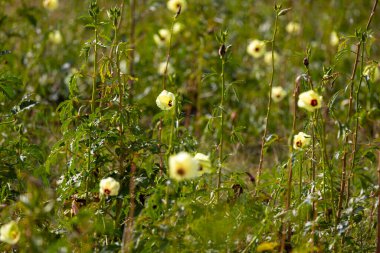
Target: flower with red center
x: 109, y: 187
x: 278, y: 93
x: 166, y: 100
x: 174, y: 5
x: 301, y: 140
x: 310, y: 100
x: 256, y: 48
x: 183, y: 166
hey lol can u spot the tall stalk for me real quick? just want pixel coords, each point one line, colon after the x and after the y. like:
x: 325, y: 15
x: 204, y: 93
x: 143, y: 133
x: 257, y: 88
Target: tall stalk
x: 290, y: 167
x: 263, y: 139
x: 132, y: 37
x: 378, y: 205
x: 222, y: 54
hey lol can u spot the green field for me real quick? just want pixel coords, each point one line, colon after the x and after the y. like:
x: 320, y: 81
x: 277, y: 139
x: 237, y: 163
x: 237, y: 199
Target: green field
x: 189, y: 126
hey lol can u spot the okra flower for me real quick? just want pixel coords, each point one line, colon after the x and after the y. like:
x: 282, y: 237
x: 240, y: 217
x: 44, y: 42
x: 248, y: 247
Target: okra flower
x: 334, y: 39
x: 50, y: 4
x: 174, y: 5
x: 301, y: 140
x: 183, y: 166
x: 256, y: 48
x: 268, y: 58
x: 55, y: 37
x: 293, y: 28
x: 10, y: 233
x: 310, y: 100
x: 109, y: 186
x: 204, y: 163
x: 166, y: 100
x: 162, y: 66
x: 162, y: 37
x: 278, y: 93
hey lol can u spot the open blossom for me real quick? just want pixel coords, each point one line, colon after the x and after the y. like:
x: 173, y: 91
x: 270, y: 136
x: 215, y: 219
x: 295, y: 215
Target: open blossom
x: 256, y: 48
x: 109, y: 186
x: 204, y: 163
x: 268, y: 58
x: 183, y: 166
x: 293, y: 28
x: 55, y: 37
x: 166, y: 100
x: 334, y: 39
x: 50, y: 4
x: 174, y: 5
x: 10, y: 233
x: 162, y: 66
x: 301, y: 140
x: 278, y: 93
x: 162, y: 37
x: 310, y: 100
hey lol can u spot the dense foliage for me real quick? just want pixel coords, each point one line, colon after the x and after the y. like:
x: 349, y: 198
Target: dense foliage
x: 189, y: 126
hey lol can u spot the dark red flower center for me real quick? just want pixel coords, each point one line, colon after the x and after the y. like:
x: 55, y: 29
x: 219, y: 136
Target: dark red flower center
x: 170, y: 103
x: 107, y: 191
x: 181, y: 172
x: 314, y: 102
x: 299, y: 144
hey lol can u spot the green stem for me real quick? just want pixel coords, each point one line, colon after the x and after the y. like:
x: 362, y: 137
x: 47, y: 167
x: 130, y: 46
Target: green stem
x: 221, y: 132
x: 95, y: 71
x: 263, y: 139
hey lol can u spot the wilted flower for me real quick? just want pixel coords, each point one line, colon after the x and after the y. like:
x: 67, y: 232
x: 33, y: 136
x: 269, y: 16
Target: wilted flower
x: 310, y: 100
x: 166, y: 100
x: 50, y: 4
x: 183, y: 166
x: 278, y: 93
x: 266, y: 246
x: 55, y: 37
x: 177, y: 27
x: 162, y: 37
x: 268, y: 58
x: 109, y: 186
x: 256, y: 48
x: 174, y: 5
x: 162, y: 66
x: 10, y: 233
x: 293, y: 28
x: 204, y: 163
x: 301, y: 140
x: 334, y: 39
x: 372, y: 72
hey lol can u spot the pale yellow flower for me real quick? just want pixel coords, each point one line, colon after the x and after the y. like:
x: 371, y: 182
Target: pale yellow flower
x: 204, y: 163
x: 109, y: 186
x: 162, y: 66
x: 50, y: 4
x: 178, y: 27
x: 301, y: 140
x: 166, y: 100
x: 293, y: 28
x: 372, y: 72
x: 310, y: 100
x: 267, y: 246
x: 183, y: 166
x: 174, y: 5
x: 256, y: 48
x: 334, y: 39
x: 278, y: 93
x: 268, y: 58
x: 10, y: 233
x: 55, y: 37
x: 162, y: 37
